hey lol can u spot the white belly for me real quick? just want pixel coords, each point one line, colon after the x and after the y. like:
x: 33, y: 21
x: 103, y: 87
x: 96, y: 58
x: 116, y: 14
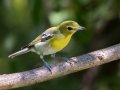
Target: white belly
x: 43, y: 48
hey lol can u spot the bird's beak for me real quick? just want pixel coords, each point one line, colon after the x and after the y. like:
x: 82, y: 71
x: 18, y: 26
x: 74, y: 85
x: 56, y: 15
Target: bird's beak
x: 81, y: 28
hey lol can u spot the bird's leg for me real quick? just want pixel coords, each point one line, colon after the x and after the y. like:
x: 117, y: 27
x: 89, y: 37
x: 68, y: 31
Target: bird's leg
x: 46, y: 64
x: 64, y: 58
x: 53, y: 55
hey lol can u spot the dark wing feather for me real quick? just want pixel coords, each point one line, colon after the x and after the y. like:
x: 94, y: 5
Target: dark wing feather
x: 46, y: 37
x: 49, y: 33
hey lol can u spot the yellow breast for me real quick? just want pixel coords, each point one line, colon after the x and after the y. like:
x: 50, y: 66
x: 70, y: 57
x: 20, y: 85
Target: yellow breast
x: 59, y: 42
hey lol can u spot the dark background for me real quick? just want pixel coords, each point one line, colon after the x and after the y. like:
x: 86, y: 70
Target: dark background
x: 23, y: 20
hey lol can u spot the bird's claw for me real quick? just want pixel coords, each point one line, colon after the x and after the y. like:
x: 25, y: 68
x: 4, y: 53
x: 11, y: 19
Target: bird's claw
x: 66, y: 59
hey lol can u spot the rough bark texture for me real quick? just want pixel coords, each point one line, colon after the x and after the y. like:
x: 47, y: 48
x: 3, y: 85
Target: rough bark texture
x: 8, y: 81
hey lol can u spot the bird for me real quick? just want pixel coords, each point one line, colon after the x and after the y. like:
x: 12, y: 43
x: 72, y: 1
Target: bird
x: 51, y: 41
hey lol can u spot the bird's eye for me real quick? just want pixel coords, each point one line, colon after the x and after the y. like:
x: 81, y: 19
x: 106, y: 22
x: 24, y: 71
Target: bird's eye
x: 69, y: 28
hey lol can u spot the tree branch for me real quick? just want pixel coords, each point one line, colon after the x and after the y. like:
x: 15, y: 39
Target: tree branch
x: 8, y: 81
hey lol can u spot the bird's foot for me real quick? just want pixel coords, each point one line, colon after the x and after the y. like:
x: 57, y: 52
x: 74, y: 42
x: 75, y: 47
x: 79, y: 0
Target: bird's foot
x: 48, y: 66
x: 67, y: 60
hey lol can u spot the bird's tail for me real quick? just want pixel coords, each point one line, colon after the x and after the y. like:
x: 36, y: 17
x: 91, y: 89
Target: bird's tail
x: 19, y: 53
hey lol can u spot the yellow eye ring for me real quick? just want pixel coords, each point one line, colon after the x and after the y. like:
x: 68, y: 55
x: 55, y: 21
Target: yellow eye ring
x: 69, y: 28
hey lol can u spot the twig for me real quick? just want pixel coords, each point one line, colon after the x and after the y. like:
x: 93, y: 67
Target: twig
x: 15, y: 80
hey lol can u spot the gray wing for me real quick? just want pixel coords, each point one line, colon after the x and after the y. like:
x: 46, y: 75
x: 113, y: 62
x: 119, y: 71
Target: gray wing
x: 48, y: 34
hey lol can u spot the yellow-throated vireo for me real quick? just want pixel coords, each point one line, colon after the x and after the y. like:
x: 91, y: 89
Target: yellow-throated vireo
x: 51, y: 41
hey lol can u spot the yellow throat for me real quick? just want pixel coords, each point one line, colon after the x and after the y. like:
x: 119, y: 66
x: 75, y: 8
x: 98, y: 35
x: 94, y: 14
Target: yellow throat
x: 59, y: 42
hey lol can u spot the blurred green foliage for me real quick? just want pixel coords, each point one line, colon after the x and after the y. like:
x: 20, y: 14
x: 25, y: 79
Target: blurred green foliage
x: 23, y: 20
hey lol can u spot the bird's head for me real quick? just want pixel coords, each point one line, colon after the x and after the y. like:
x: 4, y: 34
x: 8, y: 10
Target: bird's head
x: 70, y: 27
